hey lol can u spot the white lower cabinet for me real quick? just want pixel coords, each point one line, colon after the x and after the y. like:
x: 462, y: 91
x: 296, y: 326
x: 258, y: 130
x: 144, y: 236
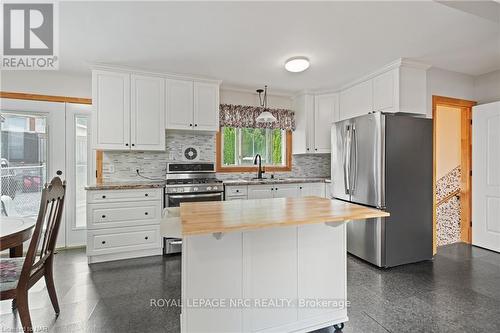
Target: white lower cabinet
x: 298, y: 264
x: 123, y: 224
x: 312, y: 189
x: 269, y: 191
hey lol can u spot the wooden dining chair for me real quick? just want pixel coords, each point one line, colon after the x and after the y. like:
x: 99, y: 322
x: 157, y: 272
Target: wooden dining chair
x: 18, y: 275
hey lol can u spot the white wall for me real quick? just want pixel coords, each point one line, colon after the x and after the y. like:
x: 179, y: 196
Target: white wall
x: 487, y: 87
x: 445, y: 83
x: 448, y: 136
x: 230, y: 96
x: 47, y: 83
x: 78, y: 85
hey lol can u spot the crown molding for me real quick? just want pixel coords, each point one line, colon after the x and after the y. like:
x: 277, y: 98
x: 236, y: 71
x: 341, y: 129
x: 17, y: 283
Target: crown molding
x: 167, y: 75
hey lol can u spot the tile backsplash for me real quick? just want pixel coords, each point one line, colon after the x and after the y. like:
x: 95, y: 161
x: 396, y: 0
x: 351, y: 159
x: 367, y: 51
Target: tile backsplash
x: 153, y: 164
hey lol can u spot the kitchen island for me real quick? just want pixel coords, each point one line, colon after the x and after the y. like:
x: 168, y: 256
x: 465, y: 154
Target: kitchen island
x: 267, y: 265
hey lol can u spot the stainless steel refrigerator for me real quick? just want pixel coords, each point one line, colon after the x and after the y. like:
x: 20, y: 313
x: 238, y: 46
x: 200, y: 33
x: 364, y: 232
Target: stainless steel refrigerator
x: 385, y: 161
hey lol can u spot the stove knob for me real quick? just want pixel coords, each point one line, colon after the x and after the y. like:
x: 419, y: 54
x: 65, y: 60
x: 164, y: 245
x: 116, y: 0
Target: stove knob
x: 195, y: 189
x: 214, y: 188
x: 209, y: 188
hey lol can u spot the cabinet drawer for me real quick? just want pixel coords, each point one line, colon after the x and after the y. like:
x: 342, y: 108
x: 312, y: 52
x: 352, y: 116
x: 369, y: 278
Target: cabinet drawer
x: 105, y: 241
x: 125, y: 195
x: 118, y: 214
x: 236, y: 191
x: 235, y: 198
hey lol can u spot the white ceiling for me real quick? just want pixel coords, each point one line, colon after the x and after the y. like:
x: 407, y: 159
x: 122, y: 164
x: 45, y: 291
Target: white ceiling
x: 245, y: 44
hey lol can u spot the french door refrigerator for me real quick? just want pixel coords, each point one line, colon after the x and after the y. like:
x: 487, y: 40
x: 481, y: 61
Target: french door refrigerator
x: 385, y: 161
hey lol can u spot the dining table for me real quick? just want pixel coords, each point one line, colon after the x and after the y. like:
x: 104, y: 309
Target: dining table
x: 14, y: 231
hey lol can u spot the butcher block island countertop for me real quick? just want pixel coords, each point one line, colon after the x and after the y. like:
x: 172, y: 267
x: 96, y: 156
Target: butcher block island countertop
x: 238, y: 215
x: 250, y: 253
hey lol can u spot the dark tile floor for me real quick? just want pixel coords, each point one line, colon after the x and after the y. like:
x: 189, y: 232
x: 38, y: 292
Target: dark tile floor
x: 457, y: 292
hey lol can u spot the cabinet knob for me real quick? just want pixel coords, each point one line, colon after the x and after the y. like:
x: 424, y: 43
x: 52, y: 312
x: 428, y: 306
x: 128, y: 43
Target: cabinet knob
x: 104, y: 216
x: 190, y: 125
x: 307, y: 149
x: 145, y: 213
x: 104, y: 197
x: 237, y: 191
x: 103, y: 242
x: 300, y: 187
x: 146, y: 237
x: 126, y: 144
x: 195, y: 125
x: 145, y: 194
x: 133, y: 145
x: 272, y: 189
x: 314, y: 149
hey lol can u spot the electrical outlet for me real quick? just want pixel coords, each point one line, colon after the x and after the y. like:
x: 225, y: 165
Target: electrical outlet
x: 111, y: 168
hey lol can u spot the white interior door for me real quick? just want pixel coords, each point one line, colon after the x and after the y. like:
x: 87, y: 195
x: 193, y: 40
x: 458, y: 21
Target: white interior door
x: 78, y: 171
x: 33, y: 152
x: 486, y: 176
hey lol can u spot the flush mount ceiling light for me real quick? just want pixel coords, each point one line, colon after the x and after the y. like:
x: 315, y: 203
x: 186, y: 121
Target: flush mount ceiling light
x: 297, y: 64
x: 265, y: 116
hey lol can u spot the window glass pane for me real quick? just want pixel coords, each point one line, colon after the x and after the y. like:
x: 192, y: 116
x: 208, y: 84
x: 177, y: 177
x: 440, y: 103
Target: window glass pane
x: 23, y: 144
x: 240, y: 145
x: 81, y: 170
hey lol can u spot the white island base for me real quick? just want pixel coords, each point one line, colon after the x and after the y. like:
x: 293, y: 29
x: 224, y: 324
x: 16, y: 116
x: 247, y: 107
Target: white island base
x: 261, y: 267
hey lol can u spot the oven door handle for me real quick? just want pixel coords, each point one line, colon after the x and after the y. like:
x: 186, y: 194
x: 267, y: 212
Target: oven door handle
x: 206, y: 195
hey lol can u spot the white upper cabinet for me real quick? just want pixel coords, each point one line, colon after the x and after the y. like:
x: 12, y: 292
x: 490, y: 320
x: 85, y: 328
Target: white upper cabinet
x: 129, y: 111
x: 147, y: 113
x: 192, y: 105
x: 399, y: 87
x: 179, y: 113
x: 314, y: 118
x: 111, y: 116
x: 206, y: 106
x: 356, y: 100
x: 325, y: 113
x: 385, y: 94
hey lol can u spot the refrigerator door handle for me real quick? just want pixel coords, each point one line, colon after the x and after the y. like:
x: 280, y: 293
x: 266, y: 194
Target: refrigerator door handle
x: 347, y: 158
x: 354, y: 159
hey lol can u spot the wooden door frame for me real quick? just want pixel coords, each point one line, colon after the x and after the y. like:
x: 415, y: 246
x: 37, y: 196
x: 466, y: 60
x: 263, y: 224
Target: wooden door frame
x: 465, y: 107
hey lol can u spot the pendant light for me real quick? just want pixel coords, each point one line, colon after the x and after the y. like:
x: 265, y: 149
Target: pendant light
x: 265, y: 116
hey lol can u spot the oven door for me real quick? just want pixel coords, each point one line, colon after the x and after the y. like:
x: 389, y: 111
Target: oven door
x: 174, y: 200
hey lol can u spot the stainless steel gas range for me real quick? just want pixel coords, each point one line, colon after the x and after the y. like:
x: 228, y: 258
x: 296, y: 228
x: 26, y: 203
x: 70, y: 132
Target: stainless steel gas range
x: 189, y: 182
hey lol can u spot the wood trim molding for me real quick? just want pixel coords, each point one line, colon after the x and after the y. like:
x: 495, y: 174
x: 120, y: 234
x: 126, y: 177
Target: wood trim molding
x: 465, y: 107
x: 98, y: 166
x: 220, y: 168
x: 46, y: 98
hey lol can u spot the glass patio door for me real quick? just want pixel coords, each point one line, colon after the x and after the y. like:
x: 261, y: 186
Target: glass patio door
x: 32, y: 141
x: 78, y: 171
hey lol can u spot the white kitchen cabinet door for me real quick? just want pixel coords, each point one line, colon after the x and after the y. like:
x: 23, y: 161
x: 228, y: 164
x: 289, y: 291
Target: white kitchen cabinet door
x: 312, y: 189
x: 286, y: 191
x: 111, y: 116
x: 321, y: 268
x: 325, y: 113
x: 265, y: 279
x: 357, y: 100
x: 179, y: 104
x: 260, y: 191
x: 385, y: 91
x: 303, y: 136
x: 486, y: 176
x: 147, y: 113
x: 206, y: 106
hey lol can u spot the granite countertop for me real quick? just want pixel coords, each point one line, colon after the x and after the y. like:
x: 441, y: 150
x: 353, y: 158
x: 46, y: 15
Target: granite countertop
x: 290, y: 180
x: 126, y: 185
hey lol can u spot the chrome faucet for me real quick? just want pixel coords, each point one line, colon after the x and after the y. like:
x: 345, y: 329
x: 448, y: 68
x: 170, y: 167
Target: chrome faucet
x: 259, y: 171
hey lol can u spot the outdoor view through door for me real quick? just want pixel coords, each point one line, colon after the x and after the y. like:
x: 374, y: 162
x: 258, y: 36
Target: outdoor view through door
x: 24, y: 141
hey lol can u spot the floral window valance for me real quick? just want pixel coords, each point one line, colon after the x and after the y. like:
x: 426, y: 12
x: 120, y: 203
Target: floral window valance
x: 231, y: 115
